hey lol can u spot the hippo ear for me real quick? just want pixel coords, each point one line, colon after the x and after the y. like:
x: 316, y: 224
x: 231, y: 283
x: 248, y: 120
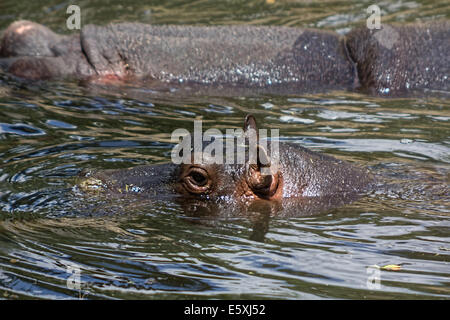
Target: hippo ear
x: 250, y: 130
x: 260, y: 179
x: 250, y: 124
x: 263, y: 159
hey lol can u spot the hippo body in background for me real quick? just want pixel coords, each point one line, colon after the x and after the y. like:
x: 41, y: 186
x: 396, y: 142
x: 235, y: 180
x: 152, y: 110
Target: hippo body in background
x: 304, y: 183
x: 257, y: 59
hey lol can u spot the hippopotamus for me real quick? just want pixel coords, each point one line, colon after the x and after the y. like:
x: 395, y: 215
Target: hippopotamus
x: 304, y: 182
x: 395, y: 60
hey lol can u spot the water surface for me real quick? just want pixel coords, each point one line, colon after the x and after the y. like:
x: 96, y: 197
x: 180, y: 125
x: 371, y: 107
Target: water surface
x: 128, y: 249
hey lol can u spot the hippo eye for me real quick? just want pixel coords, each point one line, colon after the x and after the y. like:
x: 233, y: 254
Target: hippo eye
x: 197, y: 180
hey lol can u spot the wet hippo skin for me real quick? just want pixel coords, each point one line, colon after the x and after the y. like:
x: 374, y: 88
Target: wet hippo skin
x: 392, y: 61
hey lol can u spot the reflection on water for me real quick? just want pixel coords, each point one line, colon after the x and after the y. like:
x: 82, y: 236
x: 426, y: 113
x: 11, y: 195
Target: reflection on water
x: 131, y: 248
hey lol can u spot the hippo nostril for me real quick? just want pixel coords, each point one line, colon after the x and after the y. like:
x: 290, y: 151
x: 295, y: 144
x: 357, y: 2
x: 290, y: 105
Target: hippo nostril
x: 264, y: 186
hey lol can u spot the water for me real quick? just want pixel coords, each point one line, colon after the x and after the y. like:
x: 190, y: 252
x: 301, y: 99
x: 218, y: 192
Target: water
x: 51, y: 131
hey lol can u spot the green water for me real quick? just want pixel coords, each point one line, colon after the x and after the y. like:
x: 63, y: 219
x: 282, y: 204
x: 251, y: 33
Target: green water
x: 51, y: 131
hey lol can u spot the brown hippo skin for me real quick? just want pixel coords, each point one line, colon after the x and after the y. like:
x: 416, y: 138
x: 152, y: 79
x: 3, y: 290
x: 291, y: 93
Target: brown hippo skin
x: 257, y: 59
x: 305, y: 182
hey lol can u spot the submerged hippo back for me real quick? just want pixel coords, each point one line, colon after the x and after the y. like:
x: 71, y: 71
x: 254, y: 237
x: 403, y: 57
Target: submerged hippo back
x: 396, y: 59
x: 236, y: 60
x: 260, y: 57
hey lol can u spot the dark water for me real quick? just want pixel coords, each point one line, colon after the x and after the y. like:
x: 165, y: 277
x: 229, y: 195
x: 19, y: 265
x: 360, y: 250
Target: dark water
x: 50, y: 131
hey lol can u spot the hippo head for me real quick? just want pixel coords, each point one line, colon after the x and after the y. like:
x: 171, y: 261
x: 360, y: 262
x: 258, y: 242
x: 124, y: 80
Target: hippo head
x: 300, y: 179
